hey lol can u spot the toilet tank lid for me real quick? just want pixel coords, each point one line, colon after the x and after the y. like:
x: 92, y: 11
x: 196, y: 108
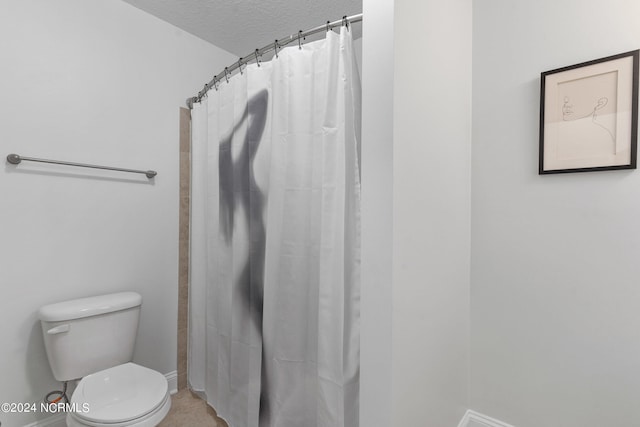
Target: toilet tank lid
x: 87, y: 307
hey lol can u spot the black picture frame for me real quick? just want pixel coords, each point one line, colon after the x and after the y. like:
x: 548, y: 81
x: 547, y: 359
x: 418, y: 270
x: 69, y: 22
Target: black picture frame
x: 589, y: 116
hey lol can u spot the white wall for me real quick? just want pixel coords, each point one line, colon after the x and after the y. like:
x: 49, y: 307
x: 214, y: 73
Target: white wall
x: 416, y: 207
x: 377, y: 214
x: 431, y: 209
x: 555, y: 271
x: 97, y: 82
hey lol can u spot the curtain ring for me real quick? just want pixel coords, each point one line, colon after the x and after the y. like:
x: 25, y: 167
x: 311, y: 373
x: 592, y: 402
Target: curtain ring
x: 328, y: 28
x: 257, y: 59
x: 226, y: 73
x: 275, y: 46
x: 215, y: 82
x: 299, y: 43
x: 345, y: 22
x: 240, y: 65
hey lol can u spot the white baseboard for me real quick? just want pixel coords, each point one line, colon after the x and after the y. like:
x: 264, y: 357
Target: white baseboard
x: 476, y: 419
x: 172, y: 379
x: 59, y: 419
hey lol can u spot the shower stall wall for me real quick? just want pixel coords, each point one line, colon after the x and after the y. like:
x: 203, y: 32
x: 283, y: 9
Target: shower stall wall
x: 275, y: 256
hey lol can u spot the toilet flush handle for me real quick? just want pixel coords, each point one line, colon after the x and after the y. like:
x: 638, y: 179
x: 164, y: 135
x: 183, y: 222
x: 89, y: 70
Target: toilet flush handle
x: 59, y: 329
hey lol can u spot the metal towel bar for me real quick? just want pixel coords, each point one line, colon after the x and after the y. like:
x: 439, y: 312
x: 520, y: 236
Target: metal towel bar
x: 15, y: 159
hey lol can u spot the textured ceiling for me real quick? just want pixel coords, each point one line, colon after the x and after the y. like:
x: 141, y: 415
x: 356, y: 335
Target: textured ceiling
x: 240, y: 26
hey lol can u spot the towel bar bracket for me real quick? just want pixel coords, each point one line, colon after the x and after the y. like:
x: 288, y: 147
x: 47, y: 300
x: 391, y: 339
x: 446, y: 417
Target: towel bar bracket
x: 14, y: 159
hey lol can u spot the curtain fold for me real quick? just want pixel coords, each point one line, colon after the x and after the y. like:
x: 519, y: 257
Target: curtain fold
x: 275, y: 284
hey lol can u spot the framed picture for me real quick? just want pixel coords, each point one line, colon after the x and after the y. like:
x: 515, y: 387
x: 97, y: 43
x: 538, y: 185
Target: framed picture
x: 589, y: 116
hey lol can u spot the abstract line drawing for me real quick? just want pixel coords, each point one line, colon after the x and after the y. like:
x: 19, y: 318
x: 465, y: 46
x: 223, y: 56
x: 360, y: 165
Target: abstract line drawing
x: 568, y: 114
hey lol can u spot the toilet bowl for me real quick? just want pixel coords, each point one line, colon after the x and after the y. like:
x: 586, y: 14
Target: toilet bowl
x: 92, y: 339
x: 125, y: 395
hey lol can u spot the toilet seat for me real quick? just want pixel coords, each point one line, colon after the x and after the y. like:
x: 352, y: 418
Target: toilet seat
x: 125, y: 395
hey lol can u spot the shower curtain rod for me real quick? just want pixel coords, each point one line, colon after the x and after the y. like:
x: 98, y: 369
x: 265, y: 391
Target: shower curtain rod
x: 255, y: 55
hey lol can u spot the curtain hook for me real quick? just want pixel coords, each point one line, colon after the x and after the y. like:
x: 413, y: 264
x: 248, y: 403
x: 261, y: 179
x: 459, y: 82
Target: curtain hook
x: 226, y: 73
x: 328, y: 28
x: 240, y: 65
x: 345, y: 22
x: 299, y: 44
x: 215, y: 82
x: 257, y: 59
x: 275, y: 46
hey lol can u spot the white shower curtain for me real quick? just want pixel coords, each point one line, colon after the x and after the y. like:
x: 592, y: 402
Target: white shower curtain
x: 275, y: 232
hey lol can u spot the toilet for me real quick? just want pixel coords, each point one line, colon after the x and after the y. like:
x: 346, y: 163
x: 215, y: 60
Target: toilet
x: 92, y: 340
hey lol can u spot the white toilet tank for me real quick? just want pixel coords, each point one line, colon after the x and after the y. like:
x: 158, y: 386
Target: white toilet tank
x: 86, y: 335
